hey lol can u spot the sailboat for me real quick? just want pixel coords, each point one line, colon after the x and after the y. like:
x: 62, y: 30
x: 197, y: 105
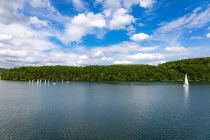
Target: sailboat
x: 186, y: 83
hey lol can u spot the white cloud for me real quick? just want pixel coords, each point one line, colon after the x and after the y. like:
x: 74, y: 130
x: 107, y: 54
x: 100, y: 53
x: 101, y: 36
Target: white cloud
x: 120, y: 19
x: 146, y: 3
x: 5, y: 37
x: 155, y: 63
x: 21, y: 45
x: 201, y: 19
x: 125, y: 48
x: 116, y: 4
x: 45, y: 10
x: 208, y: 35
x: 198, y: 18
x: 37, y: 22
x: 78, y: 4
x: 140, y: 37
x: 145, y: 56
x: 123, y: 62
x: 175, y: 49
x: 13, y: 53
x: 8, y: 11
x: 39, y: 3
x: 172, y: 33
x: 98, y: 54
x: 196, y: 37
x: 110, y: 4
x: 82, y: 25
x: 83, y: 57
x: 127, y: 4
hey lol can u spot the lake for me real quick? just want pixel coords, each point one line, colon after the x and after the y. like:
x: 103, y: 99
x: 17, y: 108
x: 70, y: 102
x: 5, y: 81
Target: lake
x: 108, y: 111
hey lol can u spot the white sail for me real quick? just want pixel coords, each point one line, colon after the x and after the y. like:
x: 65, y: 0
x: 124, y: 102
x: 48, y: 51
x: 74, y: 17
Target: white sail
x: 186, y: 80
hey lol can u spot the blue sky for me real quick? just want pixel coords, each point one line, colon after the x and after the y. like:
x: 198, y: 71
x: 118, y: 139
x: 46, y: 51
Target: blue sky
x: 102, y: 32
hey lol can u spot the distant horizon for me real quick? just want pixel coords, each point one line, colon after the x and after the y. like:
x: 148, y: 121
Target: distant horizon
x: 102, y: 32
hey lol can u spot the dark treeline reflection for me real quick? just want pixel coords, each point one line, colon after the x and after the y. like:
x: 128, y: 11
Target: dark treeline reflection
x: 198, y: 69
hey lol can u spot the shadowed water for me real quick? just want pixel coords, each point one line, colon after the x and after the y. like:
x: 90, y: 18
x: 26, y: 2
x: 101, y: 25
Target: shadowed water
x: 104, y: 111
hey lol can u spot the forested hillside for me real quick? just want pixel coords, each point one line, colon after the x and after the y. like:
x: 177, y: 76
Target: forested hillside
x: 198, y: 69
x: 1, y: 69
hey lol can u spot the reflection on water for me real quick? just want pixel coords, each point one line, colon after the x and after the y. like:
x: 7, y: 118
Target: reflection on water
x: 186, y: 95
x: 186, y: 92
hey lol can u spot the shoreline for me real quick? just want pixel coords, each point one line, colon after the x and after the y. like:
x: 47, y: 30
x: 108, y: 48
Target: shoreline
x: 116, y: 82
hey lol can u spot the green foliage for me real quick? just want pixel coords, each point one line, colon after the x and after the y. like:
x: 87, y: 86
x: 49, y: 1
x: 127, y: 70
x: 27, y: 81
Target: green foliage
x: 1, y: 69
x: 198, y: 69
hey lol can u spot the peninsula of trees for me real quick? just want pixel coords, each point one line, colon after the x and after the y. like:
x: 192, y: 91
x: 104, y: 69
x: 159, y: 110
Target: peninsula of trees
x: 198, y: 69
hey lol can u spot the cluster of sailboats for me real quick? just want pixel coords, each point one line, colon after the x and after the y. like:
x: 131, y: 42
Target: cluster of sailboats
x: 40, y: 82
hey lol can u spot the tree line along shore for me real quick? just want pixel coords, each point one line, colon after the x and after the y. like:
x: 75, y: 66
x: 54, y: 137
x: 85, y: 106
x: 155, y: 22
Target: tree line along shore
x: 198, y: 69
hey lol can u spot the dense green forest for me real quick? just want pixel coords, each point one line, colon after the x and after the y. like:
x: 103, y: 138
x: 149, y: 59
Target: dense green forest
x: 1, y: 69
x: 198, y: 69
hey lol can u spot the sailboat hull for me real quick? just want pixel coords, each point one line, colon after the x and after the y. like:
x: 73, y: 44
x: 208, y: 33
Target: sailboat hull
x: 185, y: 85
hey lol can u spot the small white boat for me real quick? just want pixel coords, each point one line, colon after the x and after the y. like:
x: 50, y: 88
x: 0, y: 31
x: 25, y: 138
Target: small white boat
x: 54, y: 83
x: 186, y: 83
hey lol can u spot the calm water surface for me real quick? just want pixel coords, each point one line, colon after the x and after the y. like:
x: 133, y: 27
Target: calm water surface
x: 104, y: 111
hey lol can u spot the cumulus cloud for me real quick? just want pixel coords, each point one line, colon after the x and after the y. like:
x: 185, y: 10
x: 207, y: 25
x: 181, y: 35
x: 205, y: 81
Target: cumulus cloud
x: 175, y: 49
x: 37, y: 22
x: 98, y: 54
x: 208, y: 35
x: 146, y: 3
x: 125, y: 48
x: 82, y: 25
x: 123, y: 62
x: 120, y: 19
x: 13, y: 53
x: 157, y: 62
x: 145, y: 56
x: 140, y: 37
x: 83, y: 57
x: 88, y: 23
x: 117, y: 4
x: 8, y: 11
x: 78, y: 4
x: 127, y: 4
x: 21, y: 45
x: 5, y: 37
